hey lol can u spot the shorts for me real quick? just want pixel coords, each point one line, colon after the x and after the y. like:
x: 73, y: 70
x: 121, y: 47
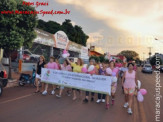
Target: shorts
x: 129, y: 91
x: 38, y: 76
x: 113, y: 87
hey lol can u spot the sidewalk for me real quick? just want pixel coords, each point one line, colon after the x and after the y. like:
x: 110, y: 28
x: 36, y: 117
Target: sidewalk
x: 15, y: 79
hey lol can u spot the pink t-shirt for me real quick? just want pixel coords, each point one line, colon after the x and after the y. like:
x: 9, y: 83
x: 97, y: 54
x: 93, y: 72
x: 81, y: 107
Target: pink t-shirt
x: 129, y: 80
x: 66, y: 68
x: 118, y: 65
x: 52, y: 65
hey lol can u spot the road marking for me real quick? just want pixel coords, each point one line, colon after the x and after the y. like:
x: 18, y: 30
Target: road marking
x: 18, y: 98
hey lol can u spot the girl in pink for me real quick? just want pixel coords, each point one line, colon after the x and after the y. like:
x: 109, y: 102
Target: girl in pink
x: 50, y: 65
x: 114, y: 83
x: 94, y: 71
x: 66, y: 67
x: 129, y: 82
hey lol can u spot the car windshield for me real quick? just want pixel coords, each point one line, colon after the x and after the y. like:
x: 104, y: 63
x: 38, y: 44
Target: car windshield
x: 148, y: 66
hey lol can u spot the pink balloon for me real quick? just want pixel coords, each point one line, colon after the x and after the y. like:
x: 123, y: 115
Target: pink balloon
x: 84, y: 70
x: 140, y: 97
x: 143, y: 91
x: 113, y: 73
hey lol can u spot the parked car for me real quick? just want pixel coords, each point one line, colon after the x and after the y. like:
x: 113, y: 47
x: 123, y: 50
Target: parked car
x: 27, y: 55
x: 138, y: 65
x: 147, y: 68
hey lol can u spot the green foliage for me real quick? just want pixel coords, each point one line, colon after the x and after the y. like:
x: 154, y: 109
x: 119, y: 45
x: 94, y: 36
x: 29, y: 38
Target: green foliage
x: 16, y: 29
x: 74, y: 33
x: 130, y: 55
x: 153, y: 60
x: 97, y: 59
x: 102, y: 58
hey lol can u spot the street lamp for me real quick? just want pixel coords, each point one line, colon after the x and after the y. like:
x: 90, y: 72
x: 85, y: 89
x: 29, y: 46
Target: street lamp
x: 143, y: 56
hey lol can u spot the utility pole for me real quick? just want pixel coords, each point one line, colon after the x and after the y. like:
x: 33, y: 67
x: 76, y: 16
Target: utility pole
x: 150, y: 53
x: 143, y: 56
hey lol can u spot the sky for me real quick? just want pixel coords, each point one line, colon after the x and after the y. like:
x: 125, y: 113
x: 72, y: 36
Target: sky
x: 114, y: 25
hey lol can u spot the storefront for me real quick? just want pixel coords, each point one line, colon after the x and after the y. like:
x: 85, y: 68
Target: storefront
x: 48, y: 44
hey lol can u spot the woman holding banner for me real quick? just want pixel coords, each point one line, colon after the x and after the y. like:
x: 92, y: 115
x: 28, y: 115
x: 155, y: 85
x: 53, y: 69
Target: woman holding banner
x: 91, y: 70
x: 40, y: 65
x: 102, y: 71
x: 77, y: 67
x: 129, y: 81
x: 50, y: 65
x: 65, y: 67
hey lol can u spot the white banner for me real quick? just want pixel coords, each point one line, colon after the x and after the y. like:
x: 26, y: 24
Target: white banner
x: 86, y: 82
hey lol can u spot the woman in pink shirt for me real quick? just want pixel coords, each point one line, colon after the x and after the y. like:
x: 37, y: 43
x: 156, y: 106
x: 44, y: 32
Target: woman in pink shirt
x: 50, y: 65
x: 129, y: 82
x: 113, y: 84
x: 66, y: 67
x: 93, y: 72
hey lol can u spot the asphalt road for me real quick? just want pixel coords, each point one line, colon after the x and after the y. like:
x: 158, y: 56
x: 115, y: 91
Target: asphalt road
x: 20, y: 104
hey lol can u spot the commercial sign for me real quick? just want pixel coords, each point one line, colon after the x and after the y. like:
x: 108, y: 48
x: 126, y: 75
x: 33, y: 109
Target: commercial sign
x: 61, y: 40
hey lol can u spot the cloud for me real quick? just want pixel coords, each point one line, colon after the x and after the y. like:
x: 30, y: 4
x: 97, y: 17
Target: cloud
x: 73, y: 23
x: 138, y: 21
x: 130, y: 16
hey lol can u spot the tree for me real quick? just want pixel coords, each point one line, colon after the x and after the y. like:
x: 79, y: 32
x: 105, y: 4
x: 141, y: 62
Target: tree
x: 74, y: 33
x: 80, y: 36
x: 130, y: 55
x: 16, y: 30
x: 102, y: 58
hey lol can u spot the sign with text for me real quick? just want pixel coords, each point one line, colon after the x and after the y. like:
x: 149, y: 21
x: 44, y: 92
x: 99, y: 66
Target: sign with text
x: 86, y: 82
x: 84, y: 53
x: 61, y: 40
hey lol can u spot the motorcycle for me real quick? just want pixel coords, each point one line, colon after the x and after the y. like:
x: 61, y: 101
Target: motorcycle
x: 3, y: 81
x: 27, y: 78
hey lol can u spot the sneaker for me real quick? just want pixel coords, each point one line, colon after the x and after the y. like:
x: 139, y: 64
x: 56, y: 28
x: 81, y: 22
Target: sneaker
x: 125, y: 105
x: 44, y: 92
x: 92, y: 99
x: 112, y: 102
x: 129, y: 111
x: 52, y: 92
x: 85, y: 100
x: 59, y: 96
x: 98, y: 101
x: 103, y: 100
x: 74, y: 98
x: 107, y: 106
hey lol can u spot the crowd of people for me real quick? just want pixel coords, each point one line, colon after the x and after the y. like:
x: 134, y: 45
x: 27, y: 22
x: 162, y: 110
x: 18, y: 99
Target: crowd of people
x: 124, y: 72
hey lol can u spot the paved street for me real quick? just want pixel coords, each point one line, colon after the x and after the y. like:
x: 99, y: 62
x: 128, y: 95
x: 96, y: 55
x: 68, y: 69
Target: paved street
x: 20, y: 104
